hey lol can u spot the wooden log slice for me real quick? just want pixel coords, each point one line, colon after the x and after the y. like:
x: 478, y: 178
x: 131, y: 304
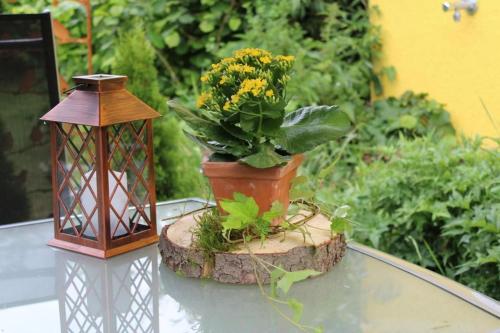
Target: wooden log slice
x: 320, y: 251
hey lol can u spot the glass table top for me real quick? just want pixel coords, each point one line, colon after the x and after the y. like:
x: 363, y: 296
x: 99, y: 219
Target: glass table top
x: 43, y: 289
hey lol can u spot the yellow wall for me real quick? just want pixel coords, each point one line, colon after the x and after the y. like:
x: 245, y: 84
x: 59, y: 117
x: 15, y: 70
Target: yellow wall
x: 456, y: 63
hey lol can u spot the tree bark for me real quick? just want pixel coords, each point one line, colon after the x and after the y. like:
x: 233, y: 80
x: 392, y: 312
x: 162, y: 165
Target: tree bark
x: 320, y: 251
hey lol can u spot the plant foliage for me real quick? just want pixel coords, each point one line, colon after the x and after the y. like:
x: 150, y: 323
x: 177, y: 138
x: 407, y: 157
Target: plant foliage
x: 175, y: 163
x: 243, y: 215
x: 383, y: 123
x: 241, y: 113
x: 437, y: 205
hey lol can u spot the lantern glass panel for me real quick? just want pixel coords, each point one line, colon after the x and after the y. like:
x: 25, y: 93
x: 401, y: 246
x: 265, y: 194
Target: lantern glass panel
x: 128, y: 177
x: 76, y: 180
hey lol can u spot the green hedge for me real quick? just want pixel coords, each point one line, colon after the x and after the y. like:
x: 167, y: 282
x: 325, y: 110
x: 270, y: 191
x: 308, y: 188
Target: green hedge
x: 435, y: 204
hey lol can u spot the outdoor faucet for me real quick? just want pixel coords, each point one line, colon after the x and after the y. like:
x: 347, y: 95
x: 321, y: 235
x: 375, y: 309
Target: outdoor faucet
x: 470, y: 6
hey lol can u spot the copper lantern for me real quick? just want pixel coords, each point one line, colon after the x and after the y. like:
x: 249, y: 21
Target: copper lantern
x: 104, y: 199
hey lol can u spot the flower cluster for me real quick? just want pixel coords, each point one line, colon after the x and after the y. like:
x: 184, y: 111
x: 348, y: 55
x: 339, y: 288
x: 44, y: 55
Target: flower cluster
x: 250, y: 77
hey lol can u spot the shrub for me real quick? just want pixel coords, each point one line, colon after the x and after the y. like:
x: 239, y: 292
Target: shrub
x: 435, y: 204
x: 411, y: 116
x: 333, y: 40
x: 176, y: 163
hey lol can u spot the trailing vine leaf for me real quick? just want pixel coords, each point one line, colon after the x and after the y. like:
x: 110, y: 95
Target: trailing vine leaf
x: 261, y: 225
x: 339, y: 222
x: 298, y: 193
x: 241, y: 211
x: 275, y: 211
x: 276, y: 274
x: 342, y: 211
x: 297, y: 308
x: 340, y: 225
x: 289, y: 278
x: 298, y: 180
x: 300, y: 189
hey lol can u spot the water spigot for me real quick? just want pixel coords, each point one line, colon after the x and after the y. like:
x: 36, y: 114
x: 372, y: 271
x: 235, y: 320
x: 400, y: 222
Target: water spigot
x: 470, y: 6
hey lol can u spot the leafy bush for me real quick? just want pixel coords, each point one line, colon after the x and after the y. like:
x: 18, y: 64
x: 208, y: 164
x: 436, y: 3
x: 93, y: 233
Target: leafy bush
x: 176, y: 164
x: 435, y: 204
x: 333, y: 40
x: 385, y: 122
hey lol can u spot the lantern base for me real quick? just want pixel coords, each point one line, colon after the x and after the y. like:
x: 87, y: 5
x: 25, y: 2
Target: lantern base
x: 103, y: 254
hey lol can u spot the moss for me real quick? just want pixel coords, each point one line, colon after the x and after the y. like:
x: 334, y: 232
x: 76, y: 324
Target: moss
x: 208, y: 234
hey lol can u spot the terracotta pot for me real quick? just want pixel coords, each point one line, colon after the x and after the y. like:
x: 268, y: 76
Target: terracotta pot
x: 264, y: 185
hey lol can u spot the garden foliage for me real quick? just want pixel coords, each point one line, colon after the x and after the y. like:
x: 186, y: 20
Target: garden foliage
x: 383, y: 123
x: 435, y: 204
x: 417, y: 200
x: 177, y: 175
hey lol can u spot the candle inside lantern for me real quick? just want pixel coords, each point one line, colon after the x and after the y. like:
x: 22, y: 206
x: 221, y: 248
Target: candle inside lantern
x: 119, y: 201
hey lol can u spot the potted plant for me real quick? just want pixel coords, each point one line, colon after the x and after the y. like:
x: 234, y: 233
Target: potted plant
x: 241, y: 118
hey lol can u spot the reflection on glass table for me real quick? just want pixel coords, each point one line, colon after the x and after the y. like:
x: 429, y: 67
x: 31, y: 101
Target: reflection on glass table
x: 43, y: 289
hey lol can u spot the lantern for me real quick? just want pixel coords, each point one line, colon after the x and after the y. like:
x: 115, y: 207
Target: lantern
x: 104, y: 199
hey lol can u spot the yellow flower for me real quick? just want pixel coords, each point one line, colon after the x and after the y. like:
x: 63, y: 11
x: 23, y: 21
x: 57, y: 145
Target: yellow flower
x: 203, y: 99
x: 265, y: 60
x: 235, y: 98
x: 251, y: 52
x: 282, y: 58
x: 227, y: 106
x: 255, y: 86
x: 223, y: 79
x: 204, y: 78
x: 240, y: 68
x: 226, y: 61
x: 269, y: 93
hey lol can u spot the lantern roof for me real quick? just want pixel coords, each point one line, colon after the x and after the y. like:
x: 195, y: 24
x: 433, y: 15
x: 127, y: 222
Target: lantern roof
x: 100, y: 100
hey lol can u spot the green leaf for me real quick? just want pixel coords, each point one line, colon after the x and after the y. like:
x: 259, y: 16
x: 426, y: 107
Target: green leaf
x: 407, y: 121
x: 156, y: 40
x: 206, y: 26
x: 298, y: 180
x: 241, y: 207
x: 262, y: 228
x: 275, y: 212
x: 390, y: 72
x: 234, y: 23
x: 297, y: 308
x: 236, y: 131
x: 271, y: 127
x: 289, y: 278
x: 341, y: 211
x: 242, y: 211
x: 248, y: 122
x: 209, y: 133
x: 340, y: 225
x: 266, y: 157
x: 192, y: 118
x: 298, y: 193
x: 172, y: 39
x: 276, y: 274
x: 308, y: 127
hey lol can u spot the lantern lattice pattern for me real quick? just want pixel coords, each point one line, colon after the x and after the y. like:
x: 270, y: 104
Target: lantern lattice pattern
x: 98, y: 298
x: 103, y: 176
